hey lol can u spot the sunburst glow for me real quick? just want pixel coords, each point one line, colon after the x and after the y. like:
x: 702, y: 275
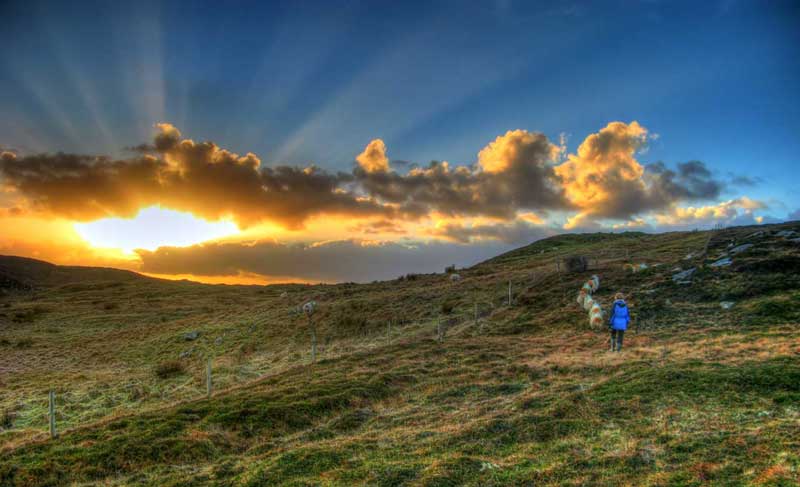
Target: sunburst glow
x: 153, y: 227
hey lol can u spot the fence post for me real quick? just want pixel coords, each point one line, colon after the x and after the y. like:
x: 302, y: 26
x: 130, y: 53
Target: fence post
x: 476, y: 311
x: 389, y: 331
x: 439, y: 336
x: 52, y: 414
x: 209, y: 383
x: 509, y: 293
x: 313, y: 340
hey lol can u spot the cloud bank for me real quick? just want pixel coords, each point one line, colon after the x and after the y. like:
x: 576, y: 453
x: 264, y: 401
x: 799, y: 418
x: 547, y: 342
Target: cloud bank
x: 519, y: 171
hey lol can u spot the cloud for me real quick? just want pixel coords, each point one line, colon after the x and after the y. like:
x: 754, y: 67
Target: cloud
x: 739, y: 211
x: 200, y: 178
x: 745, y: 181
x: 605, y: 180
x: 374, y: 159
x: 517, y: 232
x: 513, y: 173
x: 517, y: 172
x: 346, y: 260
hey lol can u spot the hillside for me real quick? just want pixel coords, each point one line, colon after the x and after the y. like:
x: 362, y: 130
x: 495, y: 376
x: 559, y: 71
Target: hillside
x: 706, y: 390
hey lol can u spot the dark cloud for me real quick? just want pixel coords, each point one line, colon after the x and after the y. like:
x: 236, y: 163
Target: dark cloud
x: 333, y: 261
x: 197, y: 177
x: 513, y: 173
x: 745, y: 181
x: 517, y: 232
x: 691, y: 181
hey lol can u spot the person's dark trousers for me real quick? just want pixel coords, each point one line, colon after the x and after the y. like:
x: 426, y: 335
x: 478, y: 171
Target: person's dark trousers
x: 616, y: 339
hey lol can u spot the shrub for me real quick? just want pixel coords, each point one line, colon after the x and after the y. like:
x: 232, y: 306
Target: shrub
x: 448, y: 306
x: 169, y: 368
x: 450, y: 269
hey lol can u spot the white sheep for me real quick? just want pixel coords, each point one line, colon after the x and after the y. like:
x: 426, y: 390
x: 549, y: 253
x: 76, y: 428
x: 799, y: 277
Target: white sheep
x: 581, y: 297
x: 596, y: 282
x: 310, y: 307
x: 596, y: 320
x: 587, y: 303
x: 455, y: 277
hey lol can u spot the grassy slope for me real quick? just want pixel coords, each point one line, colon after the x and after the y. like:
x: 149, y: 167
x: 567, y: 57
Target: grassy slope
x: 527, y: 395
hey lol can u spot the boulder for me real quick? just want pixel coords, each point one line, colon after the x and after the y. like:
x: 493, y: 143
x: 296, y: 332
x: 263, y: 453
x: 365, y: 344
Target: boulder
x: 192, y: 335
x: 786, y: 233
x: 726, y: 304
x: 757, y: 234
x: 740, y: 249
x: 684, y: 275
x: 576, y: 263
x: 218, y: 341
x: 722, y: 262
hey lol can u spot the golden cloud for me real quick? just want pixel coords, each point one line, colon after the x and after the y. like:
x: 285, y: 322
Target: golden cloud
x: 373, y: 158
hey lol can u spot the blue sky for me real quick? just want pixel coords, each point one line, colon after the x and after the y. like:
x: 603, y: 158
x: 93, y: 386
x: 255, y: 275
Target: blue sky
x: 315, y: 82
x: 436, y: 80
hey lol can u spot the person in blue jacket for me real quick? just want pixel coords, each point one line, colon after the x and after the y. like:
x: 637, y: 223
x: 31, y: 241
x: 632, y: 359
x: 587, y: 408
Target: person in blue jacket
x: 620, y: 317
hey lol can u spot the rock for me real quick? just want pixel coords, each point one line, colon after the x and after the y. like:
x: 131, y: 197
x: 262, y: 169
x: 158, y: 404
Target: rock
x: 684, y: 275
x: 740, y: 249
x: 186, y: 354
x: 786, y: 233
x: 689, y: 256
x: 722, y: 262
x: 576, y: 263
x: 757, y: 234
x: 218, y: 341
x: 726, y: 304
x: 677, y: 269
x: 455, y: 277
x: 795, y: 240
x: 284, y: 295
x: 192, y: 335
x: 684, y: 283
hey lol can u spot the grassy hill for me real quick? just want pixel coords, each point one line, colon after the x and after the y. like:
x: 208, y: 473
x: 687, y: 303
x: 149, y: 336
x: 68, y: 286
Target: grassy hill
x: 519, y: 394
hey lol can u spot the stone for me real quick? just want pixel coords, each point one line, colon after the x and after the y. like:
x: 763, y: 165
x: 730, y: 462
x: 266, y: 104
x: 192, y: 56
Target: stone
x: 186, y: 354
x: 684, y: 275
x: 218, y: 341
x: 192, y: 335
x: 722, y: 262
x: 740, y: 249
x: 757, y: 234
x: 689, y: 256
x: 786, y: 233
x: 726, y: 304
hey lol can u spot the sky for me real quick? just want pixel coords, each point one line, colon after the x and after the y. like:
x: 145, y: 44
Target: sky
x: 258, y: 142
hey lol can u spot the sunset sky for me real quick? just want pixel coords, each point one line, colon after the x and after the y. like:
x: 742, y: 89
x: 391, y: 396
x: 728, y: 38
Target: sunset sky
x: 332, y: 141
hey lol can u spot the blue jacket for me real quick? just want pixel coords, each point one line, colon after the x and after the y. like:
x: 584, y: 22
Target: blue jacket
x: 620, y: 317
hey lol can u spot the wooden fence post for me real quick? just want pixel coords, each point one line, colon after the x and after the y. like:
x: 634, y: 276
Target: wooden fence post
x: 209, y: 383
x: 313, y: 340
x: 509, y: 293
x: 439, y: 334
x: 52, y: 414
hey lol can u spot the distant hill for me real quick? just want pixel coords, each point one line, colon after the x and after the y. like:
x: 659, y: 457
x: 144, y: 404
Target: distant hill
x: 22, y: 273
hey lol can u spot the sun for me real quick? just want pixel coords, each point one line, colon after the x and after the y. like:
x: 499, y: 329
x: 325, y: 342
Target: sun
x: 151, y: 228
